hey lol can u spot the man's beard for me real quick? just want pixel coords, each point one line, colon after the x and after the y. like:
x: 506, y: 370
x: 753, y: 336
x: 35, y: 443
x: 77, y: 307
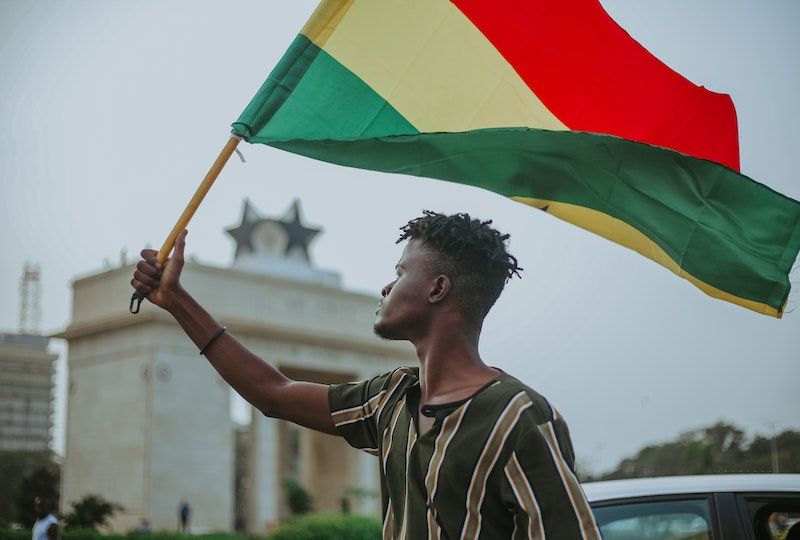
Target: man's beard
x: 387, y: 333
x: 383, y: 332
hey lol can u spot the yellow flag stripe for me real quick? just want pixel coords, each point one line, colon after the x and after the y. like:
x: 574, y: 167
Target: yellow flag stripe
x: 404, y: 55
x: 620, y: 232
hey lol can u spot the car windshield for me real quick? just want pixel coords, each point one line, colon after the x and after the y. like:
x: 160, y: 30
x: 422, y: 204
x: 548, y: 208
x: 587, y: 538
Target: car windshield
x: 657, y: 520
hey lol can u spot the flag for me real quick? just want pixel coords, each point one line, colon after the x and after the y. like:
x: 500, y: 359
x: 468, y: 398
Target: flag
x: 549, y: 103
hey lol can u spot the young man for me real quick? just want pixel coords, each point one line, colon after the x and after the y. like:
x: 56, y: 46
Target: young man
x: 465, y: 450
x: 46, y: 525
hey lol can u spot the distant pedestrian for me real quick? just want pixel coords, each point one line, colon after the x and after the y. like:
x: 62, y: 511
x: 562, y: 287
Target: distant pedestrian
x: 143, y: 527
x: 184, y: 514
x: 46, y: 525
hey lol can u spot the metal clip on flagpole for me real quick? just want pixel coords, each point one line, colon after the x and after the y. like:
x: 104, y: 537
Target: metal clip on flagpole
x: 186, y: 216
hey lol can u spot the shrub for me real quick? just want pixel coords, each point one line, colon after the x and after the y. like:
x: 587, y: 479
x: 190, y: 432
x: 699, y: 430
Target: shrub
x: 90, y: 512
x: 299, y: 500
x: 86, y: 534
x: 92, y: 534
x: 329, y: 527
x: 162, y: 535
x: 15, y: 534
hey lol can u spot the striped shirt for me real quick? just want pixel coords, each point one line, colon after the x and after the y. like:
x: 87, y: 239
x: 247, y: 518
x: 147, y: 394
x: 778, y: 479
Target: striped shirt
x: 498, y: 464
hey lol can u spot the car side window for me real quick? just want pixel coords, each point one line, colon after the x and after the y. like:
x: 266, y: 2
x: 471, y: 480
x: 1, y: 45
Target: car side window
x: 657, y: 520
x: 780, y: 523
x: 774, y: 517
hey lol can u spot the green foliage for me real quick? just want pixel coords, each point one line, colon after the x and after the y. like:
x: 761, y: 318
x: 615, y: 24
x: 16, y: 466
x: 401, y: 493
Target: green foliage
x: 175, y: 536
x: 42, y: 482
x: 89, y: 513
x: 15, y: 534
x: 91, y: 534
x: 178, y: 536
x: 23, y: 475
x: 299, y: 500
x: 312, y: 527
x: 329, y: 527
x: 87, y: 534
x: 718, y: 449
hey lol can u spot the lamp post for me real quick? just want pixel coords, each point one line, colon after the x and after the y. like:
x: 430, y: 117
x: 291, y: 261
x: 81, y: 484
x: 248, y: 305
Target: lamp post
x: 773, y: 445
x: 775, y: 464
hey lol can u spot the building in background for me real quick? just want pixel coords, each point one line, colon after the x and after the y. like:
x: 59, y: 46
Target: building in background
x: 27, y: 375
x: 26, y: 392
x: 148, y: 420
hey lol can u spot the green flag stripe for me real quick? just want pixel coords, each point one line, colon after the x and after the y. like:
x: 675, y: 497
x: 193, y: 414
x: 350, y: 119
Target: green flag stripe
x: 278, y: 87
x: 306, y: 81
x: 731, y: 240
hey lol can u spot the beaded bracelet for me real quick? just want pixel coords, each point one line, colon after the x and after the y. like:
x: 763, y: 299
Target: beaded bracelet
x: 214, y: 338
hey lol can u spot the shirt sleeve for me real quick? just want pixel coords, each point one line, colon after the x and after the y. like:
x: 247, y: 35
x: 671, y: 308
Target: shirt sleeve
x: 541, y: 487
x: 356, y: 408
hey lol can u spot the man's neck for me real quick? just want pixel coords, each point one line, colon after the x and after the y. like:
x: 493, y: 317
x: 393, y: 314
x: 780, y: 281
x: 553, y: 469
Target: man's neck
x: 451, y: 368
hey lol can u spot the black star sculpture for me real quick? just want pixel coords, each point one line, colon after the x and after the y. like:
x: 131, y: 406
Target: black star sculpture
x: 298, y: 234
x: 243, y: 233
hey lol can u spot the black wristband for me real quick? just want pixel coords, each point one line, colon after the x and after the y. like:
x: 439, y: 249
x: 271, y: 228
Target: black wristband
x: 214, y: 338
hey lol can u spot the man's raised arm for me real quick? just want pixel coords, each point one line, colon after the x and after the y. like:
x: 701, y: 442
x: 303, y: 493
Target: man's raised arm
x: 255, y: 380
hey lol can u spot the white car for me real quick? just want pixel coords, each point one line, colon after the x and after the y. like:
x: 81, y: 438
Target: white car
x: 717, y: 507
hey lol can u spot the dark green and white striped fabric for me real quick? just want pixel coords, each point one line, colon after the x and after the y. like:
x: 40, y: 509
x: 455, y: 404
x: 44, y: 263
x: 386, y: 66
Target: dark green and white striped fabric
x: 497, y: 465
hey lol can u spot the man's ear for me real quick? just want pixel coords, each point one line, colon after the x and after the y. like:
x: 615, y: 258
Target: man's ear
x: 440, y: 290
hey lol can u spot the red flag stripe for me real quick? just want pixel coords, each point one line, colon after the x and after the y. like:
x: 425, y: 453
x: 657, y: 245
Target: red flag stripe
x: 594, y: 77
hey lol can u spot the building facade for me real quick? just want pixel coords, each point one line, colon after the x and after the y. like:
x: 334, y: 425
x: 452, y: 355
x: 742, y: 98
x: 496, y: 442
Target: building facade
x: 148, y: 420
x: 26, y: 393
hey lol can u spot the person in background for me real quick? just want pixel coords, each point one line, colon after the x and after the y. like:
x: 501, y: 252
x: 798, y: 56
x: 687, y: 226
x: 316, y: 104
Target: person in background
x: 143, y: 527
x: 184, y: 513
x: 46, y: 525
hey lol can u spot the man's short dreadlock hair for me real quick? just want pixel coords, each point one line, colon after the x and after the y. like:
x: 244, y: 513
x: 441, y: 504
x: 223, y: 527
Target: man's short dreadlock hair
x: 468, y: 251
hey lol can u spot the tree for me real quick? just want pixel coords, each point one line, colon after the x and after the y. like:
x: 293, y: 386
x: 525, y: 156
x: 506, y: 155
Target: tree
x: 90, y: 512
x: 40, y: 482
x: 721, y: 448
x: 299, y: 500
x: 16, y: 499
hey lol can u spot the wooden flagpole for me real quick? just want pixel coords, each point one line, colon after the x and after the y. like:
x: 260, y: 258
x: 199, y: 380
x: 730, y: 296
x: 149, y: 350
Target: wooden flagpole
x: 191, y: 208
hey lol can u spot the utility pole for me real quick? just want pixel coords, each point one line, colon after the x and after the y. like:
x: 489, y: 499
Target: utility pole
x: 775, y: 464
x: 30, y: 312
x: 773, y: 445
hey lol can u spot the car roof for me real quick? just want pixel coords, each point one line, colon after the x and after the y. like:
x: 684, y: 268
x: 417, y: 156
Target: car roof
x: 677, y: 485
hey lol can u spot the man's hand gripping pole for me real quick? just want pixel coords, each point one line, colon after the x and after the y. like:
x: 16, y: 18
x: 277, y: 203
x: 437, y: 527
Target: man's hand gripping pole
x: 186, y: 216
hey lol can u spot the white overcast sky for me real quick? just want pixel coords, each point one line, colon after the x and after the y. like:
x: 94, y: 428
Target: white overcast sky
x: 111, y: 112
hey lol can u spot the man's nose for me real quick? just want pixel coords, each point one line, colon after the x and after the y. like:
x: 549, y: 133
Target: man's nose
x: 385, y: 291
